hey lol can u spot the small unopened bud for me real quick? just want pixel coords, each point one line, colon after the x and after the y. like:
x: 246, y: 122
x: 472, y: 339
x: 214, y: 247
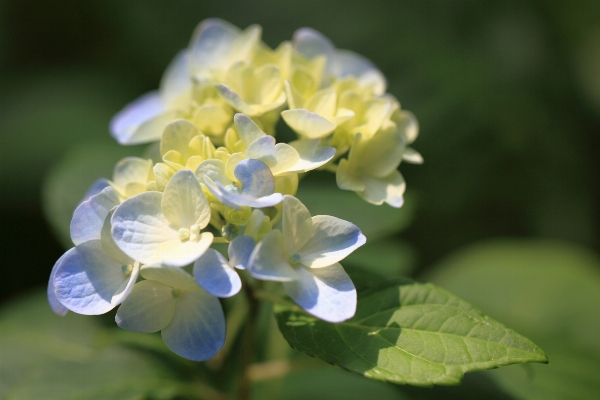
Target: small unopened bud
x: 126, y: 269
x: 230, y: 231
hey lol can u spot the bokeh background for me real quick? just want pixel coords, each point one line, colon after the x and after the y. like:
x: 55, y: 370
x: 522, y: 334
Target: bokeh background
x: 504, y: 212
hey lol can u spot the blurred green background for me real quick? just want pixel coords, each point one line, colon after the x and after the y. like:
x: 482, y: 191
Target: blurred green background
x: 507, y: 94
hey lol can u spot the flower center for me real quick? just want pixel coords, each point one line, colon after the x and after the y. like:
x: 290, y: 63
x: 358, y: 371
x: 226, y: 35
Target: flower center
x: 295, y: 258
x: 126, y: 268
x: 232, y: 189
x: 184, y: 234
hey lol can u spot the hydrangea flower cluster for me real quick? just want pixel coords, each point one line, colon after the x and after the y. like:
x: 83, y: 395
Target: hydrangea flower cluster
x: 143, y: 239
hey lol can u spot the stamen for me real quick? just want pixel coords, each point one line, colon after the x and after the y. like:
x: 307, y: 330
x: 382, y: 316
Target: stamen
x: 295, y: 258
x: 184, y: 234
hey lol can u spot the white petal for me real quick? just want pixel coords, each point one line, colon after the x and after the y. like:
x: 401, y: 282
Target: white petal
x: 109, y: 245
x: 176, y: 78
x: 247, y: 129
x: 87, y: 279
x: 327, y: 293
x: 55, y: 304
x: 89, y: 216
x: 278, y: 157
x: 170, y: 276
x: 268, y: 261
x: 149, y: 308
x: 215, y: 170
x: 256, y: 178
x: 197, y: 331
x: 124, y: 125
x: 241, y: 247
x: 389, y: 189
x: 215, y: 275
x: 312, y: 155
x: 297, y: 224
x: 333, y: 239
x: 308, y: 124
x: 140, y: 229
x: 183, y: 202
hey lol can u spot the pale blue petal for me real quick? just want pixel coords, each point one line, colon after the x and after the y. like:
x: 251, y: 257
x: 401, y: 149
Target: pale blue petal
x: 311, y: 43
x: 55, y: 304
x: 239, y: 251
x: 149, y: 308
x: 327, y: 293
x: 256, y: 178
x: 87, y: 279
x: 215, y: 275
x: 197, y: 331
x: 211, y: 43
x: 268, y: 260
x: 333, y: 240
x: 238, y: 201
x: 124, y: 125
x: 95, y: 188
x: 89, y: 216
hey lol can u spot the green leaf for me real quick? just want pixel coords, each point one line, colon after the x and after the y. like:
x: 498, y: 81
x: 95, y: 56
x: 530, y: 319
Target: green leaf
x: 75, y: 358
x: 69, y: 179
x: 410, y: 333
x: 548, y: 290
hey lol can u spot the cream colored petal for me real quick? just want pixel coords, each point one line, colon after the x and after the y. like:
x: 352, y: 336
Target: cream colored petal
x: 297, y: 224
x: 389, y: 189
x: 247, y: 129
x: 322, y: 102
x: 412, y: 156
x: 163, y: 174
x: 131, y: 169
x: 235, y: 100
x: 308, y: 124
x: 177, y: 136
x: 347, y: 178
x: 270, y: 84
x: 213, y: 119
